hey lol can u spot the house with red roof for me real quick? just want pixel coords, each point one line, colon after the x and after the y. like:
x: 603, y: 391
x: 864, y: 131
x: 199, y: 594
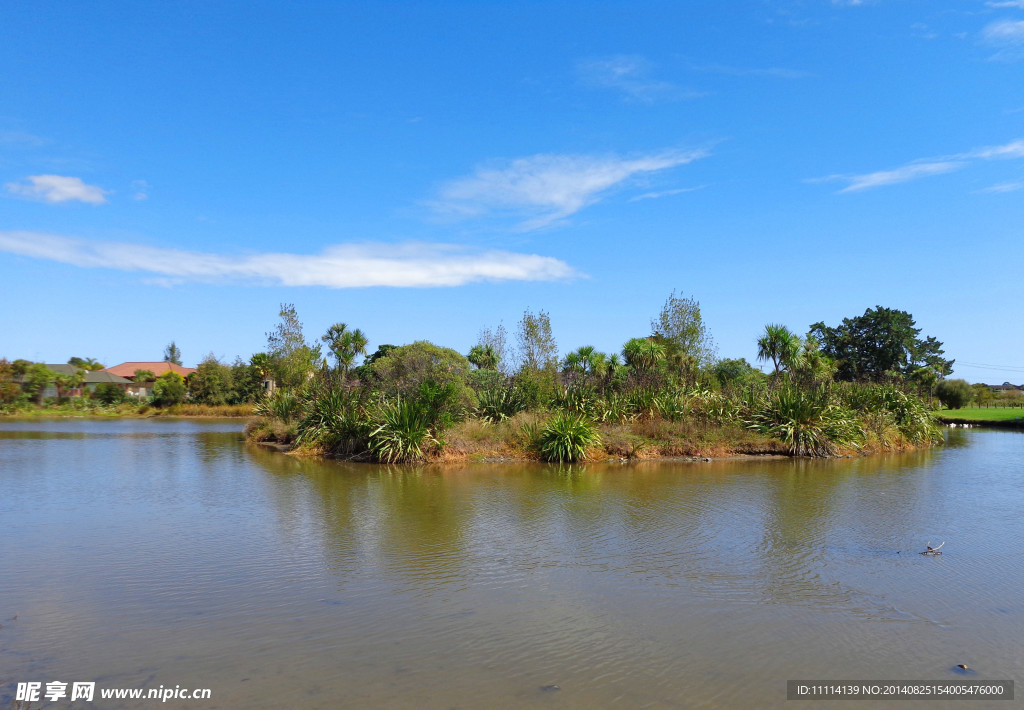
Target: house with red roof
x: 141, y: 389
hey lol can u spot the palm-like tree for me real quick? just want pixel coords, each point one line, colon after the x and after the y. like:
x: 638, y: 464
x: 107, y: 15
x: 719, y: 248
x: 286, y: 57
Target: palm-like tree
x: 780, y: 346
x: 346, y: 345
x: 63, y: 383
x: 86, y: 363
x: 484, y: 357
x: 264, y: 366
x: 643, y: 354
x: 584, y: 359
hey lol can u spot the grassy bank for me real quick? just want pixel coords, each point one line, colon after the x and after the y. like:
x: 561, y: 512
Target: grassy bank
x: 88, y: 408
x: 985, y: 416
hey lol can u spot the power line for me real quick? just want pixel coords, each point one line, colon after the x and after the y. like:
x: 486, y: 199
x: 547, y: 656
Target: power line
x: 984, y: 366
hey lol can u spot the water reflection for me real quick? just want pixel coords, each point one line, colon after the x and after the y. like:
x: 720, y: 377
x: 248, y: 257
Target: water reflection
x: 164, y: 552
x: 756, y: 532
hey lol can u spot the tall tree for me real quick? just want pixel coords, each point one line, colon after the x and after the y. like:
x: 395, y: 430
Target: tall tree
x: 537, y: 347
x: 497, y: 340
x: 210, y: 383
x: 172, y: 353
x: 294, y: 360
x: 36, y: 379
x: 879, y: 344
x: 9, y: 392
x: 681, y: 327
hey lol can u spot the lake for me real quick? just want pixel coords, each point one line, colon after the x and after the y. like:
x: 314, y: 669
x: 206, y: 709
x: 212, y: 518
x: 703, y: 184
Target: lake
x: 149, y: 553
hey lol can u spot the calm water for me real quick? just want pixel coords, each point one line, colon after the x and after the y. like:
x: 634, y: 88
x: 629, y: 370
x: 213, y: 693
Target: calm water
x: 148, y: 553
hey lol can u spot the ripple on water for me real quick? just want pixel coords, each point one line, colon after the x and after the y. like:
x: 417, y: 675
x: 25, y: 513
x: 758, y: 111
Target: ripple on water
x: 168, y: 555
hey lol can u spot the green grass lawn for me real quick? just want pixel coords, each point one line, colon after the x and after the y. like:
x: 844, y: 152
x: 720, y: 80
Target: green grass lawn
x: 977, y: 414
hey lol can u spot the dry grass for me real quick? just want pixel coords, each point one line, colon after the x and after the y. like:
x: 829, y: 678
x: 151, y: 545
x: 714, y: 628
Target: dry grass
x: 270, y: 430
x: 646, y: 438
x: 204, y: 410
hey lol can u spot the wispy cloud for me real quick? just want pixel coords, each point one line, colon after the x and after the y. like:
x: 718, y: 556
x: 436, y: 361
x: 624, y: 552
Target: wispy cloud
x: 771, y: 72
x: 341, y: 266
x: 1008, y: 37
x: 906, y: 173
x: 57, y: 188
x: 927, y: 167
x: 630, y: 75
x: 1004, y: 187
x: 20, y: 139
x: 1014, y: 149
x: 141, y: 188
x: 665, y: 193
x: 547, y: 188
x: 1004, y: 32
x: 1007, y: 3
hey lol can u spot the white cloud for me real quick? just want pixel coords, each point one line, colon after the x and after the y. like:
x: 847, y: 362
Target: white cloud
x: 893, y: 177
x: 928, y: 167
x: 57, y: 188
x: 630, y: 75
x: 665, y: 193
x: 341, y: 266
x: 1004, y: 32
x: 1014, y: 149
x: 1008, y: 35
x: 1007, y: 3
x: 547, y: 188
x: 1005, y: 187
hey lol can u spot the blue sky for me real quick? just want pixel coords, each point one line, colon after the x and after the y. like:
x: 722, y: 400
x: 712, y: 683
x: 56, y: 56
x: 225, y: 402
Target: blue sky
x: 176, y: 171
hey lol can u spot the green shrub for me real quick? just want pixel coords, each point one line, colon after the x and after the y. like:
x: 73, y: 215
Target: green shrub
x: 442, y: 404
x: 566, y: 438
x: 333, y: 417
x: 169, y: 389
x: 108, y: 393
x: 577, y: 398
x: 283, y: 405
x: 908, y: 412
x: 403, y: 370
x: 400, y: 432
x: 954, y: 394
x: 210, y: 383
x: 807, y: 420
x: 499, y: 404
x: 536, y: 387
x: 481, y: 380
x: 613, y: 408
x: 643, y: 402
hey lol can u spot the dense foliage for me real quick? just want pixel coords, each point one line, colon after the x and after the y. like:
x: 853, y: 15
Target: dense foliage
x: 883, y: 343
x: 664, y: 392
x: 169, y: 389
